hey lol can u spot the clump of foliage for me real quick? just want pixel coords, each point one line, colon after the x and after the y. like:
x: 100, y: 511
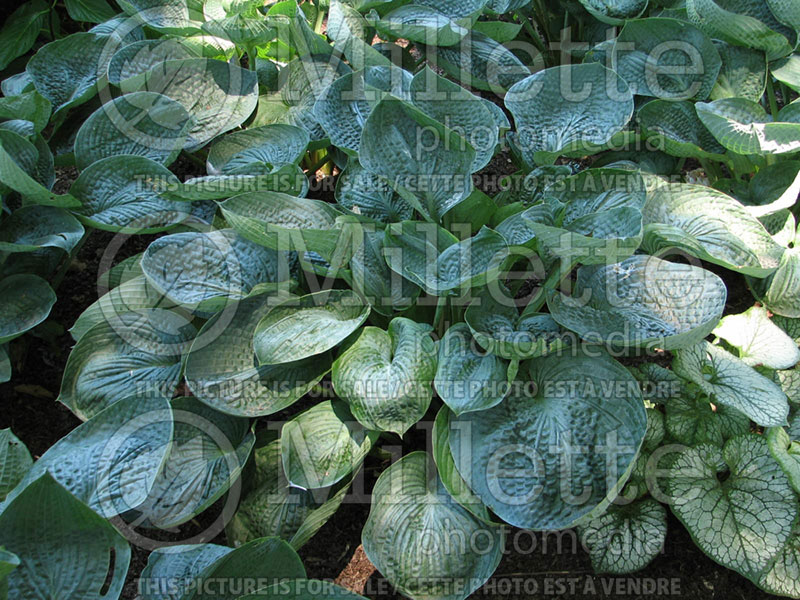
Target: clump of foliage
x: 568, y: 335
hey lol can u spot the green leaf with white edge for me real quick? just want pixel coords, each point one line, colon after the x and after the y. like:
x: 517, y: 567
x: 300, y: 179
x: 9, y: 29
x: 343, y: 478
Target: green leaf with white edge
x: 299, y: 328
x: 743, y: 73
x: 511, y: 455
x: 209, y: 270
x: 421, y: 24
x: 750, y: 24
x: 323, y: 445
x: 141, y: 349
x: 782, y: 577
x: 758, y: 340
x: 30, y: 106
x: 92, y: 11
x: 787, y: 454
x: 644, y: 59
x: 369, y: 195
x: 787, y: 71
x: 181, y: 17
x: 25, y: 301
x: 16, y: 177
x: 728, y: 380
x: 218, y: 95
x: 21, y: 29
x: 129, y: 64
x: 15, y: 462
x: 348, y: 31
x: 675, y: 127
x: 5, y: 364
x: 743, y: 521
x: 221, y: 370
x: 711, y: 226
x: 69, y: 71
x: 32, y: 227
x: 303, y: 589
x: 551, y: 116
x: 142, y: 124
x: 76, y: 560
x: 694, y: 421
x: 626, y: 537
x: 111, y: 462
x: 125, y: 194
x: 466, y: 379
x: 208, y: 452
x: 642, y: 302
x: 429, y: 164
x: 257, y: 150
x: 500, y: 329
x: 410, y: 515
x: 386, y: 376
x: 434, y: 259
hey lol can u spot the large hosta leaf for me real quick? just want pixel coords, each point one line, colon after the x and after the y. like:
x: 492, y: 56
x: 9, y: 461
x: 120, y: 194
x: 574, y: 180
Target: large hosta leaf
x: 34, y: 227
x: 168, y: 16
x: 728, y: 380
x: 385, y: 376
x: 422, y: 24
x: 539, y: 458
x: 64, y: 548
x: 257, y: 150
x: 642, y: 302
x: 743, y: 73
x: 370, y: 195
x: 742, y: 520
x: 758, y: 340
x: 410, y: 515
x: 25, y: 301
x: 675, y: 127
x: 134, y: 60
x: 15, y: 461
x: 552, y: 115
x: 349, y: 30
x: 614, y: 12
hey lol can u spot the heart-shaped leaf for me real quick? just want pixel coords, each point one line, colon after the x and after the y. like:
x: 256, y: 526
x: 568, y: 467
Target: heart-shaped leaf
x: 422, y: 24
x: 369, y: 195
x: 130, y: 63
x: 614, y: 12
x: 15, y: 462
x: 675, y: 127
x: 257, y: 150
x: 34, y: 227
x: 25, y: 301
x: 758, y: 340
x: 743, y: 73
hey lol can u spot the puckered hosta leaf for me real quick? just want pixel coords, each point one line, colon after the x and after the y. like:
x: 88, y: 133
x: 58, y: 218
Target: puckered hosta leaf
x: 299, y: 328
x: 758, y: 340
x: 221, y: 369
x: 467, y: 380
x: 134, y: 60
x: 421, y: 24
x: 139, y: 350
x: 323, y: 445
x: 30, y: 106
x: 728, y: 380
x: 208, y: 270
x: 142, y: 124
x: 273, y: 507
x: 67, y: 71
x: 303, y: 589
x: 563, y: 106
x: 515, y: 228
x: 257, y: 150
x: 268, y: 559
x: 786, y: 452
x: 25, y: 301
x: 627, y: 537
x: 181, y: 17
x: 429, y: 164
x: 512, y: 455
x: 666, y: 58
x: 454, y: 9
x: 711, y: 226
x: 614, y: 12
x: 743, y: 520
x: 642, y: 302
x: 675, y: 127
x: 749, y: 23
x: 743, y: 73
x: 74, y: 562
x: 110, y: 462
x: 411, y: 514
x: 434, y: 259
x: 246, y: 31
x: 348, y: 30
x: 32, y: 227
x: 500, y: 329
x: 386, y: 376
x: 15, y: 461
x: 694, y: 421
x: 370, y: 195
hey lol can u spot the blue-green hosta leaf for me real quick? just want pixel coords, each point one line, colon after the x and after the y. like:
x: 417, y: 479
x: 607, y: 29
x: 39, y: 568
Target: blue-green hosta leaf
x: 748, y: 23
x: 348, y: 30
x: 728, y: 380
x: 711, y: 226
x: 25, y: 301
x: 15, y: 462
x: 64, y: 547
x: 642, y: 301
x: 208, y: 270
x: 110, y: 462
x: 467, y: 380
x: 125, y: 193
x: 142, y: 123
x: 774, y: 188
x: 743, y: 521
x: 675, y: 127
x: 21, y: 29
x: 181, y: 17
x: 34, y: 227
x: 246, y: 31
x: 454, y: 9
x: 208, y: 452
x: 323, y: 445
x: 411, y: 514
x: 221, y: 369
x: 743, y: 73
x: 131, y: 62
x: 626, y: 537
x: 34, y: 160
x: 758, y: 340
x: 30, y: 106
x: 120, y: 30
x: 666, y: 58
x: 434, y: 259
x: 141, y: 349
x: 299, y: 328
x: 303, y: 589
x: 429, y: 164
x: 694, y: 421
x: 295, y: 31
x: 257, y: 150
x: 565, y: 106
x: 421, y: 24
x: 68, y: 71
x: 370, y: 195
x: 615, y: 12
x: 5, y: 364
x: 386, y: 376
x: 512, y: 456
x: 14, y: 174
